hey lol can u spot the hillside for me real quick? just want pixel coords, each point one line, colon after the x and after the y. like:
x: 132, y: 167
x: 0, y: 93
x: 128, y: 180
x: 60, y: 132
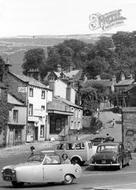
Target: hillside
x: 14, y: 48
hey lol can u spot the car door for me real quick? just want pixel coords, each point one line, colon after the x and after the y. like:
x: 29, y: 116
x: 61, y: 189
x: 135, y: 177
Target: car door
x: 53, y: 172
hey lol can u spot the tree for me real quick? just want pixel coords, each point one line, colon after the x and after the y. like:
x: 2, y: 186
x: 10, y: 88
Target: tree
x: 34, y: 59
x: 96, y: 66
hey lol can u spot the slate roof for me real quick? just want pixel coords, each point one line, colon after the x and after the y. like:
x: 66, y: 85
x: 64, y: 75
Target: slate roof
x: 31, y: 81
x: 107, y: 83
x: 67, y: 102
x: 125, y: 82
x: 72, y: 73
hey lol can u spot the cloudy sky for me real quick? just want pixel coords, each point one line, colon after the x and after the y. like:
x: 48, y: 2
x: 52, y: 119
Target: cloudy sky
x: 57, y: 17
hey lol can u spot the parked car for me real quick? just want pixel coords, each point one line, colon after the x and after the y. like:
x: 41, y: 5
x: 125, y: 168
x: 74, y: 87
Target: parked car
x: 97, y: 140
x: 79, y: 151
x: 111, y: 154
x: 41, y: 168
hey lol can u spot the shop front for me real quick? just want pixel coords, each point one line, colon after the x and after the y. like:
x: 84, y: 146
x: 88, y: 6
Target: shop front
x: 58, y: 120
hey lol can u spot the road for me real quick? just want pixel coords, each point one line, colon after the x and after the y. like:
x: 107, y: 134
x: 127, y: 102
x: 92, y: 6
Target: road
x: 90, y: 179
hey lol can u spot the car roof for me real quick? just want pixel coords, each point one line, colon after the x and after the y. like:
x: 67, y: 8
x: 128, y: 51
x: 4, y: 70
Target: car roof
x: 110, y: 143
x: 74, y: 141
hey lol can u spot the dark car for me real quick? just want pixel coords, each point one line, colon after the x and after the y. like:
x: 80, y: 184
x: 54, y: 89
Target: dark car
x: 111, y: 154
x: 97, y: 140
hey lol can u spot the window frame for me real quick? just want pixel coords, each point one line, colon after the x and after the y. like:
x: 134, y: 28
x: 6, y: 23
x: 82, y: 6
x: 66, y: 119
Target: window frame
x: 43, y: 94
x: 15, y: 115
x: 31, y: 92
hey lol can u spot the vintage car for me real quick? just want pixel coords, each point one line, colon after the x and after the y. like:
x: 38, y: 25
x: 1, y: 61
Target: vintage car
x: 111, y: 154
x: 41, y: 168
x: 78, y: 151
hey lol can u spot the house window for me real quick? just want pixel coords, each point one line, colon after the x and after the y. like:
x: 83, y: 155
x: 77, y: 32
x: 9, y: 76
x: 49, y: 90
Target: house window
x: 31, y: 109
x: 15, y: 116
x: 42, y: 131
x: 43, y: 94
x: 31, y: 92
x: 42, y: 108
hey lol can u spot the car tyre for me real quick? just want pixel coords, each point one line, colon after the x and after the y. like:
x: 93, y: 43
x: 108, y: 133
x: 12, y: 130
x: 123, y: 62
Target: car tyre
x: 96, y: 167
x: 17, y: 184
x: 120, y: 165
x: 76, y: 161
x: 68, y: 179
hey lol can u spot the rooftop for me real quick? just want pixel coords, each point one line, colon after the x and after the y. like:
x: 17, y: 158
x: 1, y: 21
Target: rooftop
x: 31, y: 81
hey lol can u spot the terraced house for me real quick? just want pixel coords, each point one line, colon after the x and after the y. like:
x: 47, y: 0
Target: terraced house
x: 4, y: 107
x: 34, y: 95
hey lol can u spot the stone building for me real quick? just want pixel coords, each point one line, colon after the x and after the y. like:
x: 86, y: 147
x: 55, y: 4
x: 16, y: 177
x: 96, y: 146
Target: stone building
x: 4, y: 107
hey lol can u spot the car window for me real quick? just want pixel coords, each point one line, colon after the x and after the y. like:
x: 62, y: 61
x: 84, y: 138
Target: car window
x: 70, y: 146
x: 36, y: 158
x: 50, y: 160
x: 103, y: 148
x: 60, y: 147
x: 79, y: 146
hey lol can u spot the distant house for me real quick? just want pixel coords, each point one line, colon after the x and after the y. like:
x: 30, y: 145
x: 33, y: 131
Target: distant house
x: 35, y: 96
x: 108, y: 85
x: 17, y: 123
x: 64, y: 114
x: 131, y: 96
x: 121, y: 88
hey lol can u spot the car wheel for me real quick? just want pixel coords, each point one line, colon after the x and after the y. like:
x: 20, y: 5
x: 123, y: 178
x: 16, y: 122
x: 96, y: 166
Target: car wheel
x: 68, y: 179
x: 120, y: 165
x: 76, y: 161
x: 17, y: 184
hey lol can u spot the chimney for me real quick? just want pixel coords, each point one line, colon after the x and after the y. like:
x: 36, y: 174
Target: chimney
x: 114, y: 79
x: 34, y: 73
x: 59, y: 69
x: 98, y: 77
x: 68, y: 92
x: 52, y: 86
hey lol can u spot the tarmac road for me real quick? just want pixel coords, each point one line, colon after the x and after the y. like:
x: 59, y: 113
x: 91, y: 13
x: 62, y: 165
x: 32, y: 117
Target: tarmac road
x: 90, y: 179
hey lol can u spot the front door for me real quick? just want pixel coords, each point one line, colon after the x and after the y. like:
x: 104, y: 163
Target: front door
x: 36, y: 133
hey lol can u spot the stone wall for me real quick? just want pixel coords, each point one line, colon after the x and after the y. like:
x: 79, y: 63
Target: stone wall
x: 129, y: 127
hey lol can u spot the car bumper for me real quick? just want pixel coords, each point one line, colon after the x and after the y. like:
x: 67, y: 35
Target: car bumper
x: 104, y: 165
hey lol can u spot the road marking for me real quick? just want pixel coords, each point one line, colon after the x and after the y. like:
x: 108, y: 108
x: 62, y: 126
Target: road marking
x: 117, y: 185
x: 101, y: 174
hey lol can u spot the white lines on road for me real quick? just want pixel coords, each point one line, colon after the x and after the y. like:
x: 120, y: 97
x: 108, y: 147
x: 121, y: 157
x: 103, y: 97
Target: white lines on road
x: 107, y: 173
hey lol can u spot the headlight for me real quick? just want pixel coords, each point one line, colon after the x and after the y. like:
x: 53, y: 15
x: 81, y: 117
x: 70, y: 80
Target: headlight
x: 13, y: 171
x: 114, y: 158
x: 92, y: 159
x: 2, y: 171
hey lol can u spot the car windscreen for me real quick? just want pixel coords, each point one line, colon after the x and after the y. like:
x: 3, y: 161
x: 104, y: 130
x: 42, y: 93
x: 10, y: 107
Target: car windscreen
x: 36, y: 158
x: 103, y: 148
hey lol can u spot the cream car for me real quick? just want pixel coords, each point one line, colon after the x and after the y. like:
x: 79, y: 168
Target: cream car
x: 79, y: 151
x: 41, y: 168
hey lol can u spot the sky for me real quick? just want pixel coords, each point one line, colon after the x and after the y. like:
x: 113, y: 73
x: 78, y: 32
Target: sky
x: 60, y: 17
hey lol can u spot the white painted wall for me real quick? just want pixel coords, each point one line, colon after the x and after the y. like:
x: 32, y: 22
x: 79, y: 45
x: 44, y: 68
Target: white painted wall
x: 60, y: 88
x: 37, y: 102
x: 73, y: 95
x: 39, y: 115
x: 49, y: 95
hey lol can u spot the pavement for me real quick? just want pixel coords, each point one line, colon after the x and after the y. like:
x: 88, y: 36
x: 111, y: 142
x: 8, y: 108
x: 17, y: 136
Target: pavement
x: 25, y: 148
